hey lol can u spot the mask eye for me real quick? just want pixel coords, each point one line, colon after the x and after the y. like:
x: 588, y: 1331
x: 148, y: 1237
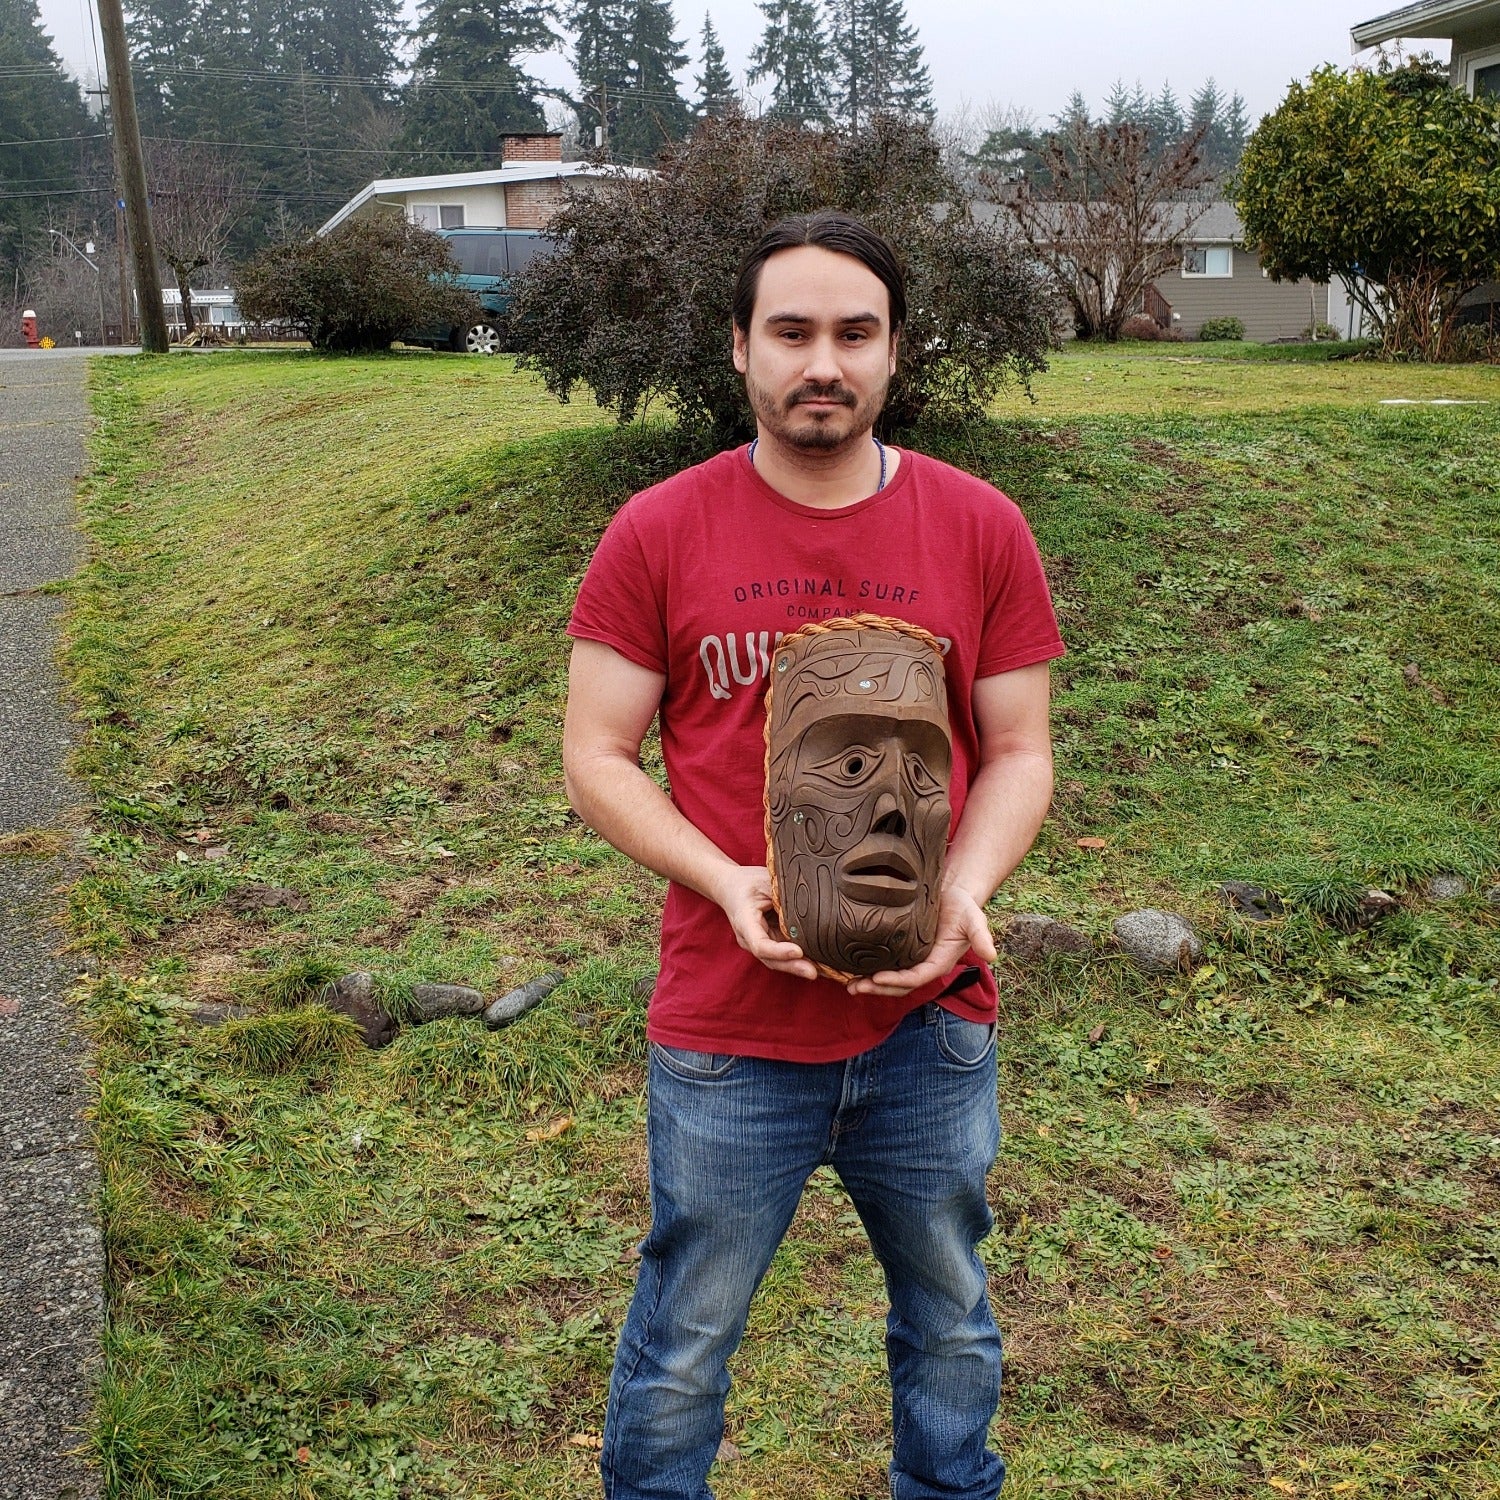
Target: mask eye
x: 851, y: 766
x: 921, y: 778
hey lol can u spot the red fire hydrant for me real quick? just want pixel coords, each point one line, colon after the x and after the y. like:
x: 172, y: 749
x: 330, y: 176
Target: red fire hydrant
x: 28, y: 330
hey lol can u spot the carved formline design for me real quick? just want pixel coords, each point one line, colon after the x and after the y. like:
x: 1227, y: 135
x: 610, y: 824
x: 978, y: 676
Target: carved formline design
x: 880, y: 913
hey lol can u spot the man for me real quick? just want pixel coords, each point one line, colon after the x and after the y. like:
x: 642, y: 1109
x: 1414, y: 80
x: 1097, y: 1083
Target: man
x: 760, y: 1071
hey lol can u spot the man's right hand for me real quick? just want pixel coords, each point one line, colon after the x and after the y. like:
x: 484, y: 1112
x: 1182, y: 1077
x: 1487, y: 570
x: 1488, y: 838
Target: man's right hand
x: 744, y: 892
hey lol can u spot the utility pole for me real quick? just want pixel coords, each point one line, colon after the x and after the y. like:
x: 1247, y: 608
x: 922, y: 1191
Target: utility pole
x: 132, y: 168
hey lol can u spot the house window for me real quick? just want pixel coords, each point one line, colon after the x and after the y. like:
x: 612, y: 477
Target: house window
x: 451, y: 216
x: 423, y: 215
x: 1486, y: 80
x: 1208, y: 260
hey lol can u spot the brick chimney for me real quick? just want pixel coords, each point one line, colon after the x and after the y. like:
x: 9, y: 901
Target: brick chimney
x: 539, y: 147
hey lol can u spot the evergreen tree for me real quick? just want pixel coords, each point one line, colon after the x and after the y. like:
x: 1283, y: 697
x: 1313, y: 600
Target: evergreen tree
x: 469, y: 90
x: 716, y: 91
x: 793, y: 51
x: 43, y: 108
x: 1073, y: 115
x: 1163, y: 119
x: 879, y: 62
x: 652, y: 110
x: 303, y: 96
x: 600, y: 61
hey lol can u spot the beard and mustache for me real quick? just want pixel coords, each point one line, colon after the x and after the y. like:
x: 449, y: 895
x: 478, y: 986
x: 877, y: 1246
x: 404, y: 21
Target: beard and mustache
x: 815, y: 434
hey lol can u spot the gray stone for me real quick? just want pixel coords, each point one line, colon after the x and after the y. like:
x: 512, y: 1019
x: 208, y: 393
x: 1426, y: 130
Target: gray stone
x: 216, y: 852
x: 354, y: 995
x: 1492, y: 896
x: 1157, y: 941
x: 436, y: 1002
x: 645, y: 986
x: 1030, y: 936
x: 1446, y: 887
x: 216, y: 1013
x: 513, y: 1006
x: 1252, y: 902
x: 1374, y: 905
x: 727, y: 1454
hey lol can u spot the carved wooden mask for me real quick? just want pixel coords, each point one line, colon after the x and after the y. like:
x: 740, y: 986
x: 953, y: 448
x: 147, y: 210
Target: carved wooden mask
x: 858, y: 763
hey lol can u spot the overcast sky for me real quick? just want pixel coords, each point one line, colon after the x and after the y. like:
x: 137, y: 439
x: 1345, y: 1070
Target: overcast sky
x: 1029, y: 55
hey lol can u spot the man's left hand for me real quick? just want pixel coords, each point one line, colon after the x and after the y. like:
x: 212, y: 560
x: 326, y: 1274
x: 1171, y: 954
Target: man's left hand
x: 962, y: 926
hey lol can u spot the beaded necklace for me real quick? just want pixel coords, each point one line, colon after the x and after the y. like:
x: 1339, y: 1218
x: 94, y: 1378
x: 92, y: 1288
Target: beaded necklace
x: 755, y: 443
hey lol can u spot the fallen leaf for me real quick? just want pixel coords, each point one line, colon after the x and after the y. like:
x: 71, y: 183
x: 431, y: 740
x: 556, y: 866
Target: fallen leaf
x: 1284, y: 1485
x: 1132, y: 1104
x: 551, y: 1130
x: 303, y: 1455
x: 1097, y: 1034
x: 1348, y: 1484
x: 9, y: 1006
x: 586, y: 1440
x: 727, y: 1453
x: 1044, y: 1130
x: 1092, y: 843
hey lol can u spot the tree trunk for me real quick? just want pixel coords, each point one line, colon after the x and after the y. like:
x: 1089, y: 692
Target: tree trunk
x: 183, y: 277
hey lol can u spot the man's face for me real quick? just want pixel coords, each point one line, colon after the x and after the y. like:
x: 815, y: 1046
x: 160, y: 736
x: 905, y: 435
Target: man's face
x: 820, y: 352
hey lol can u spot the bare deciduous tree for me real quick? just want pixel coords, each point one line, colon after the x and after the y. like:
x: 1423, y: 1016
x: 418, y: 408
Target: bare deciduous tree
x: 198, y: 196
x: 1118, y: 213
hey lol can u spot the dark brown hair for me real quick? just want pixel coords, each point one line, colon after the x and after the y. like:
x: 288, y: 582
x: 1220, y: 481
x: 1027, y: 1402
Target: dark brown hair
x: 829, y: 230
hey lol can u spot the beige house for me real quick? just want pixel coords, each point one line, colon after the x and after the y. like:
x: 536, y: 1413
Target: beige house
x: 523, y: 192
x: 1218, y: 277
x: 1473, y: 26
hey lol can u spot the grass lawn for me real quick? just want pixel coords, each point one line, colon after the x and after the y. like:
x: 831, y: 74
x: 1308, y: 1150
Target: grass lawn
x: 1154, y: 380
x: 1248, y: 1218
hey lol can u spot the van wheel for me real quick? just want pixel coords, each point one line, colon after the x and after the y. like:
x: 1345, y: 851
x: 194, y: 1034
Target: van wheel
x: 481, y: 338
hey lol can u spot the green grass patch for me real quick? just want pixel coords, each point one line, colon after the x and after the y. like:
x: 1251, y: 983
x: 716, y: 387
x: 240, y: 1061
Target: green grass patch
x: 1248, y: 1237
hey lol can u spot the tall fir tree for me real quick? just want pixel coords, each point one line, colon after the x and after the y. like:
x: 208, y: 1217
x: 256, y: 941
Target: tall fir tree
x: 652, y: 110
x: 469, y: 89
x: 600, y: 30
x: 303, y: 96
x: 47, y: 110
x: 1164, y: 119
x: 878, y: 59
x: 715, y: 84
x: 793, y: 52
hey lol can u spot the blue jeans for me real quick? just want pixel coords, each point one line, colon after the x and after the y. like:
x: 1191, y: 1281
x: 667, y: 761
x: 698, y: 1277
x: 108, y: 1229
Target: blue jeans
x: 911, y: 1127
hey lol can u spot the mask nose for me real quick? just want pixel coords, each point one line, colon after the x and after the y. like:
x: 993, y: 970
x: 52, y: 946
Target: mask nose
x: 889, y: 815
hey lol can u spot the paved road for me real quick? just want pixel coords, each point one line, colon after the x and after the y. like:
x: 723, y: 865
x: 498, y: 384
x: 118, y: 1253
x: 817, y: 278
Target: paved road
x: 50, y: 1260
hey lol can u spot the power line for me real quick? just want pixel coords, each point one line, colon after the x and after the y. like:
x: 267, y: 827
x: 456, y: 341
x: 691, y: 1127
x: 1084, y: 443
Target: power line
x: 57, y: 139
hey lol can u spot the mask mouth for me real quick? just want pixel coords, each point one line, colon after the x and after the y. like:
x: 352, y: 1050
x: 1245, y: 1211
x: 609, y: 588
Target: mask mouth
x: 879, y: 871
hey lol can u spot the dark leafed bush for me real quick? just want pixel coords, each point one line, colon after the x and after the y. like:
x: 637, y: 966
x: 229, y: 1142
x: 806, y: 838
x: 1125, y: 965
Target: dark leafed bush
x: 1140, y: 326
x: 636, y: 304
x: 1221, y: 330
x: 358, y: 288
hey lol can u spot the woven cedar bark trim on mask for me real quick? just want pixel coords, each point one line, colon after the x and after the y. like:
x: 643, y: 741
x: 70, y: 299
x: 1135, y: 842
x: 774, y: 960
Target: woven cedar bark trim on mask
x: 816, y: 628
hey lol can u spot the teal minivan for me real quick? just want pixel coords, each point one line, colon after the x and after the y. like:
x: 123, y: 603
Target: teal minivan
x: 487, y: 259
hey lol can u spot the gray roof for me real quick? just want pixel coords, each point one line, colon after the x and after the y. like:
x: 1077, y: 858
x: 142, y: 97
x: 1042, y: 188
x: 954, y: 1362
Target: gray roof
x: 1217, y: 222
x: 1435, y: 18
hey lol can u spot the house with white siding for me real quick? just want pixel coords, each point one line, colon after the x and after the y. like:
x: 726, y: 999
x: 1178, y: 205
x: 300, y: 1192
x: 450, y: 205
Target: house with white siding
x: 523, y: 192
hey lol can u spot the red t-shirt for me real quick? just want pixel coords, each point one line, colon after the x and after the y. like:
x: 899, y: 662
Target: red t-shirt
x: 698, y: 578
